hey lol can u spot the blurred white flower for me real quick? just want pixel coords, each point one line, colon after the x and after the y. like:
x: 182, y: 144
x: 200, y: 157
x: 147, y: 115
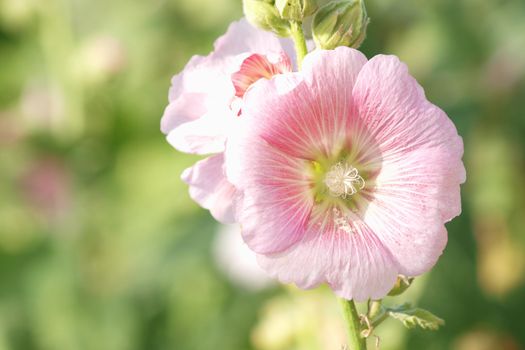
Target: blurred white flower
x: 101, y: 58
x: 41, y: 103
x: 237, y: 261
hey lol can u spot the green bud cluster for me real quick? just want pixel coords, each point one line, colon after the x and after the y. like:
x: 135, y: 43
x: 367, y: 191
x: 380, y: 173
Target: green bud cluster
x: 337, y: 23
x: 340, y: 23
x: 296, y: 10
x: 263, y: 14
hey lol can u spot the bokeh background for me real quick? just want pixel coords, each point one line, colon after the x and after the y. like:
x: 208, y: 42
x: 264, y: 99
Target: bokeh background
x: 101, y: 247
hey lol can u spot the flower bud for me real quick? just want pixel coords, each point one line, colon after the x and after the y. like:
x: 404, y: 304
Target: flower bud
x: 296, y: 10
x: 340, y: 23
x: 263, y: 14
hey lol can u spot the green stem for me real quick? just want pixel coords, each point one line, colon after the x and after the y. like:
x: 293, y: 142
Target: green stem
x: 374, y: 308
x: 379, y: 319
x: 376, y: 313
x: 355, y: 341
x: 300, y: 43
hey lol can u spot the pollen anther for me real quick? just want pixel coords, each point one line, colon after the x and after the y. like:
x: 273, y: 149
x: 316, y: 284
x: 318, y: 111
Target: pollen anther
x: 343, y: 180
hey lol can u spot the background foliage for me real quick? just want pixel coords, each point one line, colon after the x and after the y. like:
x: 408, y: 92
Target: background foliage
x: 100, y: 245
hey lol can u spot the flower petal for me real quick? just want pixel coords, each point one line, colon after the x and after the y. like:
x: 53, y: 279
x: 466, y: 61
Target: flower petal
x: 417, y: 188
x: 201, y: 88
x: 205, y: 135
x: 411, y: 198
x: 283, y: 126
x: 204, y: 87
x: 259, y: 66
x: 182, y: 110
x: 399, y: 117
x: 276, y: 202
x: 304, y: 114
x: 242, y: 37
x: 355, y: 265
x: 209, y: 188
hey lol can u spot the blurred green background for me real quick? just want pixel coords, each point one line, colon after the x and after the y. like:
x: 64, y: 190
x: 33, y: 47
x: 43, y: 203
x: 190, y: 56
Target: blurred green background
x: 101, y: 247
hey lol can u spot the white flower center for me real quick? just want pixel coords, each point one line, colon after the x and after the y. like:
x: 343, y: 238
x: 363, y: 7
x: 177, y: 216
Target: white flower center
x: 343, y: 180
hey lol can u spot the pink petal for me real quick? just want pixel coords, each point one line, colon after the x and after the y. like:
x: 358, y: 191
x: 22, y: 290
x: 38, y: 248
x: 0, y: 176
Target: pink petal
x: 246, y: 130
x: 275, y: 204
x: 282, y: 128
x: 256, y: 67
x: 320, y: 113
x: 397, y: 114
x: 333, y: 69
x: 243, y: 37
x: 356, y: 266
x: 273, y: 214
x: 186, y: 109
x: 417, y: 188
x: 204, y: 135
x: 181, y: 81
x: 306, y: 116
x: 204, y: 87
x: 240, y: 39
x: 200, y: 89
x: 209, y: 188
x: 407, y: 210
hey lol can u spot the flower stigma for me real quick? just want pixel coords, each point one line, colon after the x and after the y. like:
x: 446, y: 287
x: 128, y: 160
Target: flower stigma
x: 343, y: 180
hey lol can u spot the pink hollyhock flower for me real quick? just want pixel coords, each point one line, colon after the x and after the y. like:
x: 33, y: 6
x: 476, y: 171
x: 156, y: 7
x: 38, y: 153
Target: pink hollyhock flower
x: 347, y: 174
x: 206, y: 98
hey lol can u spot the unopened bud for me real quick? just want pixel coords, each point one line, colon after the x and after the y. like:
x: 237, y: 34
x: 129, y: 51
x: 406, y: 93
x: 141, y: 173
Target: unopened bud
x: 296, y: 10
x: 340, y: 23
x: 263, y: 14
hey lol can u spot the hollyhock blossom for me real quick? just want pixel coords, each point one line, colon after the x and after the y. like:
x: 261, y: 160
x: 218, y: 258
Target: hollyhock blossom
x: 206, y: 98
x: 347, y: 174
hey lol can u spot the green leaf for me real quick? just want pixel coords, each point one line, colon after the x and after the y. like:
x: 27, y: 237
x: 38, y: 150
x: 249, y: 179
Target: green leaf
x: 415, y: 317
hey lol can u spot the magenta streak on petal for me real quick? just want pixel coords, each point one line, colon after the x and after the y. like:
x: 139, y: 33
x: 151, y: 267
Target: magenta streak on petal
x: 259, y: 66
